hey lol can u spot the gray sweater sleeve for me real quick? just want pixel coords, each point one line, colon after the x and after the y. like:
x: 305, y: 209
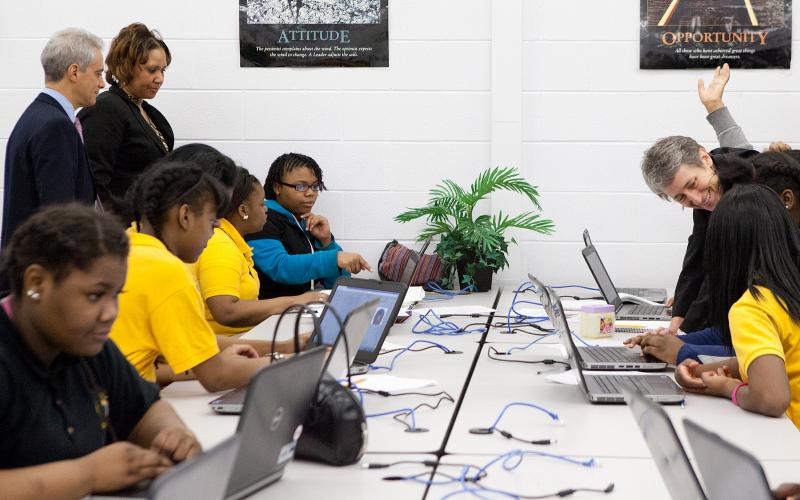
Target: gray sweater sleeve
x: 729, y: 133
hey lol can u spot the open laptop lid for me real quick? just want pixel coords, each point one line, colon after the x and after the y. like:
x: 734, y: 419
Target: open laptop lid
x: 587, y: 240
x: 277, y: 401
x: 349, y: 293
x: 727, y: 470
x: 355, y: 328
x: 665, y: 447
x: 204, y: 476
x: 552, y: 306
x: 601, y: 276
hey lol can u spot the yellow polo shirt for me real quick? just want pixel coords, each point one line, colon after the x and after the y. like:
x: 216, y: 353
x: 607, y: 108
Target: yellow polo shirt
x: 226, y: 268
x: 160, y: 311
x: 760, y: 328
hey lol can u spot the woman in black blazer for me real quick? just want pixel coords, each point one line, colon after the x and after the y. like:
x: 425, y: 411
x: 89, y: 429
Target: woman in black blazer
x: 124, y: 134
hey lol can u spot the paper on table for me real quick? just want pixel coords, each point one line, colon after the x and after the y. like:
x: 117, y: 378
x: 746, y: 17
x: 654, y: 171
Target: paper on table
x: 575, y: 305
x: 456, y: 310
x: 391, y: 384
x: 389, y: 346
x: 566, y: 378
x: 414, y: 294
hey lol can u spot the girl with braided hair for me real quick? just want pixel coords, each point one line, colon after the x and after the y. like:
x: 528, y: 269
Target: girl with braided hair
x: 175, y: 210
x: 296, y: 248
x: 780, y: 171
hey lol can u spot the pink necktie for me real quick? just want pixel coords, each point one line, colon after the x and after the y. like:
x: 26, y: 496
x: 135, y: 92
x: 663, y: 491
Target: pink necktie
x: 79, y: 127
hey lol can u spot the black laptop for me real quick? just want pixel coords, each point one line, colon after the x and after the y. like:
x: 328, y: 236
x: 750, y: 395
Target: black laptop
x: 652, y: 294
x: 634, y: 312
x: 665, y: 447
x: 727, y: 470
x: 349, y: 293
x: 610, y: 358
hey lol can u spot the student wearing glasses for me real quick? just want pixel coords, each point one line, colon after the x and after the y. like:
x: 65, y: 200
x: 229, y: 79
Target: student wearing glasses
x: 228, y: 281
x: 296, y: 248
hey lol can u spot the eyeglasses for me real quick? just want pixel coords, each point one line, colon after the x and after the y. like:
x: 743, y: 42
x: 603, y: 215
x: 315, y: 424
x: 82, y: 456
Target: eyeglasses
x: 302, y: 186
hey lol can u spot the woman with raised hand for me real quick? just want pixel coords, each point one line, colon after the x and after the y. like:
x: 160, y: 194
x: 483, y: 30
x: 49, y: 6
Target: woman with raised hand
x: 296, y: 248
x: 677, y: 168
x: 176, y: 207
x: 123, y: 133
x: 76, y: 417
x: 751, y: 257
x: 228, y: 280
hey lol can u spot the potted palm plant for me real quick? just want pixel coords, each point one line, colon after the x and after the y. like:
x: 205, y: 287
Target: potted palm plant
x: 475, y: 245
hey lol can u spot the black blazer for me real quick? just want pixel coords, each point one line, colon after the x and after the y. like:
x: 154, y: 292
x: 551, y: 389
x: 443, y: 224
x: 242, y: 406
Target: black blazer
x: 119, y: 142
x: 45, y: 164
x: 691, y: 291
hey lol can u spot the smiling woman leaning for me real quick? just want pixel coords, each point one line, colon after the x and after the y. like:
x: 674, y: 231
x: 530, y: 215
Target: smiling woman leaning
x: 677, y: 168
x: 124, y: 134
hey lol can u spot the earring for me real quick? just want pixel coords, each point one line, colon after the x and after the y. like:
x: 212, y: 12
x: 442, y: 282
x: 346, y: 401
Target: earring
x: 33, y: 295
x: 245, y: 216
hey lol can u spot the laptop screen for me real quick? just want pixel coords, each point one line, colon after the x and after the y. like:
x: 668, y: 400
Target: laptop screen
x: 345, y: 299
x: 355, y: 327
x: 727, y: 470
x: 601, y: 276
x: 665, y: 447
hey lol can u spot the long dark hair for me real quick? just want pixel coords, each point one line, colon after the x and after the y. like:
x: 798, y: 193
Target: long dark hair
x: 733, y: 168
x: 751, y: 241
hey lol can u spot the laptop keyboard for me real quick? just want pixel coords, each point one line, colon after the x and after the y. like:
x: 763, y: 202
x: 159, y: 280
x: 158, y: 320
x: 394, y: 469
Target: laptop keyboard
x: 613, y: 384
x: 611, y: 354
x: 640, y: 310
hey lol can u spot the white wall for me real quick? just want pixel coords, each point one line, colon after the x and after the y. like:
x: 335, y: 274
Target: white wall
x: 551, y: 86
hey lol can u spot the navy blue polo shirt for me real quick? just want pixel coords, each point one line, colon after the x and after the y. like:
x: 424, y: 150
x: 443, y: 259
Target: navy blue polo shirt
x: 48, y: 413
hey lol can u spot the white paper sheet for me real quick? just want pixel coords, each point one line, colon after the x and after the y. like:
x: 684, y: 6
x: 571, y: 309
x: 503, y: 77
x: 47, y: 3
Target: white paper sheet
x: 391, y: 384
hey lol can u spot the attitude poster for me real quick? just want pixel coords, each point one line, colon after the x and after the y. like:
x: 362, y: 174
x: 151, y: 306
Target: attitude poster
x: 708, y: 33
x: 275, y: 33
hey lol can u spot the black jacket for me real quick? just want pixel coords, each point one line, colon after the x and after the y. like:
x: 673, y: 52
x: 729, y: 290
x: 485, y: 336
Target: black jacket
x: 45, y: 164
x: 691, y: 291
x: 119, y: 142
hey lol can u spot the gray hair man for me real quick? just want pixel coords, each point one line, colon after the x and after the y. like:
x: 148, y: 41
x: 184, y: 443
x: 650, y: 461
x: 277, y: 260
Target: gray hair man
x: 45, y: 160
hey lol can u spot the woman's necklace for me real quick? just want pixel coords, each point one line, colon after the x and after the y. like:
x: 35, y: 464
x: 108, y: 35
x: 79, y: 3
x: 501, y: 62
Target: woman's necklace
x: 138, y: 102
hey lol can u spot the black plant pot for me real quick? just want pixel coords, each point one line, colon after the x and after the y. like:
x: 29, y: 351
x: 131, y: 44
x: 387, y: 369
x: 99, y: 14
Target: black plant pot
x: 482, y: 277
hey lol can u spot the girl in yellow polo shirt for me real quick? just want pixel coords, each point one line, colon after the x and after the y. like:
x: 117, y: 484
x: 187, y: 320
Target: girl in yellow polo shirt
x: 752, y: 255
x: 228, y: 281
x: 161, y: 314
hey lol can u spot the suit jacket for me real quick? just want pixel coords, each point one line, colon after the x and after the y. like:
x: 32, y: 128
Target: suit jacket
x: 45, y: 164
x: 119, y: 142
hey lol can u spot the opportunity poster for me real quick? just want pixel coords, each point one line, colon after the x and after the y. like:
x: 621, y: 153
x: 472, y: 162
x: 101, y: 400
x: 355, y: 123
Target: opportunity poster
x: 708, y: 33
x: 275, y: 33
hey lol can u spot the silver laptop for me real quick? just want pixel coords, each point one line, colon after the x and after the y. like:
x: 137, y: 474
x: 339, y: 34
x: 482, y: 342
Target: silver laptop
x: 653, y: 294
x: 635, y: 312
x: 278, y: 399
x: 608, y: 388
x: 665, y: 447
x: 202, y: 477
x: 343, y: 354
x: 727, y: 470
x: 611, y: 358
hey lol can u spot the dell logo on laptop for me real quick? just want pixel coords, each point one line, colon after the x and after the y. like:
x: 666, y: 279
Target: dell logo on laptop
x: 276, y: 419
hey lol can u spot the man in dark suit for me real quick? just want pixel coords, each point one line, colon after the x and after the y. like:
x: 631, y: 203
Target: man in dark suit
x: 45, y: 159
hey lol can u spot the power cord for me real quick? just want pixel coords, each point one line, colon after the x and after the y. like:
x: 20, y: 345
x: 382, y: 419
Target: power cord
x: 402, y: 351
x: 492, y: 350
x: 506, y: 434
x: 435, y: 325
